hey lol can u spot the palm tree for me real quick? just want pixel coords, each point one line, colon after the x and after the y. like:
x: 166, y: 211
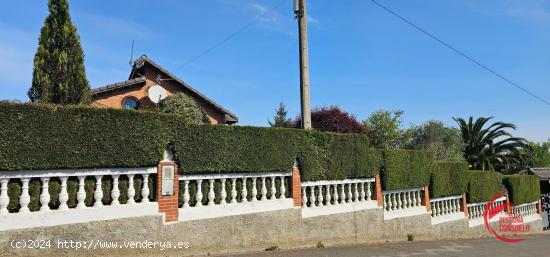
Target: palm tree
x: 492, y: 147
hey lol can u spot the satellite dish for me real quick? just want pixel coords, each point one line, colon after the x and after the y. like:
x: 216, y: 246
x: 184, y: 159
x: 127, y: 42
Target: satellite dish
x: 156, y: 93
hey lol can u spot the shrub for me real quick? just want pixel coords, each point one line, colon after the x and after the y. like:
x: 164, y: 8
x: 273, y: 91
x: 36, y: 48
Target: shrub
x: 483, y: 185
x: 522, y: 189
x: 405, y: 169
x: 54, y: 137
x: 331, y: 119
x: 448, y: 178
x: 38, y: 136
x: 185, y: 107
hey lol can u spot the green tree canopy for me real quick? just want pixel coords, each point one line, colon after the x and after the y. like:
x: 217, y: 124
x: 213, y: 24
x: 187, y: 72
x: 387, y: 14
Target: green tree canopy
x: 538, y: 154
x: 280, y: 119
x: 384, y: 129
x: 443, y: 142
x: 491, y: 147
x: 184, y: 106
x: 59, y: 75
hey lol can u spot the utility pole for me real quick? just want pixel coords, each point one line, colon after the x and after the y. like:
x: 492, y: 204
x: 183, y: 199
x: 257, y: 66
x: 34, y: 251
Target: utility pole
x: 300, y: 12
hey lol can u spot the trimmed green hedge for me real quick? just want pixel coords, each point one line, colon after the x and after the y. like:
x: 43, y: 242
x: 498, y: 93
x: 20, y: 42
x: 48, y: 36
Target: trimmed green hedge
x: 38, y: 136
x: 405, y: 169
x: 448, y: 178
x: 522, y: 189
x: 483, y: 185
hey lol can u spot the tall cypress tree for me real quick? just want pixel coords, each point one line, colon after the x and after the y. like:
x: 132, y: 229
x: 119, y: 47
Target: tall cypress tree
x: 59, y: 75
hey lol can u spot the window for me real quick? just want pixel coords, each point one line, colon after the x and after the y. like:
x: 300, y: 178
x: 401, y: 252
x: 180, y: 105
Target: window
x: 130, y: 103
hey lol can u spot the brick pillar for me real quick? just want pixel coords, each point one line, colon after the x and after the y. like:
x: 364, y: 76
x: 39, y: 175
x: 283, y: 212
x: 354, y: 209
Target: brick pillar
x: 464, y: 205
x: 296, y: 187
x: 168, y: 204
x: 378, y: 193
x: 539, y: 208
x: 508, y: 206
x: 426, y: 199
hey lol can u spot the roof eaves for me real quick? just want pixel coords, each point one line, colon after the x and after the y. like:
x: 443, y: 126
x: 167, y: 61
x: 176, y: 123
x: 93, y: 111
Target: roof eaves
x: 189, y: 87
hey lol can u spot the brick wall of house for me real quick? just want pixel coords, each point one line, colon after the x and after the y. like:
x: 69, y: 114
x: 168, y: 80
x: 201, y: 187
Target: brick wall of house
x: 114, y: 99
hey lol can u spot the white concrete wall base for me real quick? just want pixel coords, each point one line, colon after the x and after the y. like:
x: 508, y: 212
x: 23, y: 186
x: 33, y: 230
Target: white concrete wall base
x: 388, y: 215
x: 208, y: 212
x: 448, y: 218
x: 340, y: 208
x: 72, y: 216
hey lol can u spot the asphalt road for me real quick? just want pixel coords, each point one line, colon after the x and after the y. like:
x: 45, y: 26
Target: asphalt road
x: 533, y: 246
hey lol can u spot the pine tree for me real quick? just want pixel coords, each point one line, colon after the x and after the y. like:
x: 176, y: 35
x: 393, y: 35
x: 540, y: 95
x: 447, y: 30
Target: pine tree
x: 280, y: 120
x: 59, y: 75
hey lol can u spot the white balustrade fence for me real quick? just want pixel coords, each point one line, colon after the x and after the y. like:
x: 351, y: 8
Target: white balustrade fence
x: 476, y: 210
x: 446, y: 209
x: 336, y: 196
x: 403, y: 202
x: 525, y: 210
x: 448, y: 205
x: 216, y: 195
x: 66, y: 214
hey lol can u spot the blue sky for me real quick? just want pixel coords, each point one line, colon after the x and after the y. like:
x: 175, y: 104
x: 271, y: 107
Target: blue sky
x: 361, y: 58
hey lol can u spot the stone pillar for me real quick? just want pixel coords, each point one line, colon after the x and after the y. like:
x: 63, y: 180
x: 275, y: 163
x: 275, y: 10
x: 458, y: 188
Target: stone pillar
x: 426, y: 199
x: 296, y: 186
x: 378, y: 193
x: 464, y: 205
x: 168, y: 203
x: 539, y: 208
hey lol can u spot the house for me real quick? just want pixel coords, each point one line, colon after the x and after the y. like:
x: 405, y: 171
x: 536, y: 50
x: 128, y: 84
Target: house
x: 146, y: 75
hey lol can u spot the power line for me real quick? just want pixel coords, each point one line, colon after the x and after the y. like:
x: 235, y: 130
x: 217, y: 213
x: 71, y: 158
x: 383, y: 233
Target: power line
x: 231, y: 36
x: 471, y: 59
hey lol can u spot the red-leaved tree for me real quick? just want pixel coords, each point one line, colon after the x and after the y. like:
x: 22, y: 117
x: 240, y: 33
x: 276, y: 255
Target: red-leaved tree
x: 331, y: 119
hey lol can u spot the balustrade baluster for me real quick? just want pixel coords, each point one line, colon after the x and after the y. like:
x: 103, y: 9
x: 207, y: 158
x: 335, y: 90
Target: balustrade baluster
x: 198, y: 195
x: 355, y: 193
x: 264, y: 189
x: 312, y: 197
x: 327, y: 195
x: 349, y: 200
x: 4, y: 198
x: 233, y: 190
x: 244, y: 191
x: 342, y: 195
x: 131, y: 189
x: 63, y: 194
x: 45, y: 195
x: 81, y: 195
x: 98, y: 194
x: 273, y: 189
x: 223, y: 193
x: 393, y: 202
x: 211, y: 194
x: 283, y: 189
x: 369, y: 193
x: 186, y: 195
x: 254, y: 190
x: 25, y: 198
x: 115, y: 192
x: 145, y: 189
x: 321, y: 200
x: 335, y: 194
x: 304, y: 197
